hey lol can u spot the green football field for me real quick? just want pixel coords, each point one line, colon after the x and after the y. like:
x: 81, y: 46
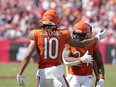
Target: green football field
x: 9, y: 71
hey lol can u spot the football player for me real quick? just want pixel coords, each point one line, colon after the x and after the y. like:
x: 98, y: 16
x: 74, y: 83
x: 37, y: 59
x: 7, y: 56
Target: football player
x: 80, y: 74
x: 49, y: 42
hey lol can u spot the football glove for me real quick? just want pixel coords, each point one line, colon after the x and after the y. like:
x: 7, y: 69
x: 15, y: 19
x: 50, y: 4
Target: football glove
x: 20, y: 80
x: 86, y: 58
x: 101, y: 34
x: 100, y: 83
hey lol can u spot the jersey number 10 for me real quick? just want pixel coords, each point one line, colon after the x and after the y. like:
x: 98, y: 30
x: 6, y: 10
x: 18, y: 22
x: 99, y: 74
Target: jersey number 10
x: 48, y: 45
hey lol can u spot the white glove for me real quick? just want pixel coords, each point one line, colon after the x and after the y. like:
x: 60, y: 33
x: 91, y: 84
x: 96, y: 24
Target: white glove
x: 101, y: 34
x: 100, y: 83
x: 86, y: 58
x: 20, y: 80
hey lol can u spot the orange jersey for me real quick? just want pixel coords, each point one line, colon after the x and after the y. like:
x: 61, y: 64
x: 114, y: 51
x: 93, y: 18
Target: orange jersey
x: 82, y: 69
x: 49, y: 46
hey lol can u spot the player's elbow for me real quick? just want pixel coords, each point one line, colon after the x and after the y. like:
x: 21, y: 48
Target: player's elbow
x: 67, y: 64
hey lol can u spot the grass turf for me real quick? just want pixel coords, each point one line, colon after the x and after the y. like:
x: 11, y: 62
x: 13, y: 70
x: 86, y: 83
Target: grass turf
x: 8, y: 72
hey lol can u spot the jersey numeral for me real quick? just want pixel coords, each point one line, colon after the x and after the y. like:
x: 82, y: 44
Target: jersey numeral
x: 77, y: 53
x: 48, y: 48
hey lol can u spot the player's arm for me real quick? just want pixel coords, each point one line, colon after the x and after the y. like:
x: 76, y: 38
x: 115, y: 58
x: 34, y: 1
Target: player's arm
x: 71, y: 61
x: 87, y: 42
x: 99, y: 62
x: 82, y: 44
x: 25, y: 61
x: 95, y: 69
x: 67, y: 59
x: 100, y: 69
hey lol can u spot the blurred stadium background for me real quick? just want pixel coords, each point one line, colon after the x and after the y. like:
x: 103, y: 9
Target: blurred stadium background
x: 18, y: 17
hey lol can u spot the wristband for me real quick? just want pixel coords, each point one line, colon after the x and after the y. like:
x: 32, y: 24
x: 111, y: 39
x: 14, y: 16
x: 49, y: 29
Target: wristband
x: 101, y: 77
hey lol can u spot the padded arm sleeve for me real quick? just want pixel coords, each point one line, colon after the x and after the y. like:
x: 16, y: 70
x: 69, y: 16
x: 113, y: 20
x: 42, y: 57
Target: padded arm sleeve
x: 74, y: 63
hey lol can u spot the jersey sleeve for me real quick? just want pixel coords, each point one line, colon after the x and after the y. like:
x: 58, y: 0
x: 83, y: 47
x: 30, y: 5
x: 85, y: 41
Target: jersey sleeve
x: 32, y: 35
x: 67, y: 35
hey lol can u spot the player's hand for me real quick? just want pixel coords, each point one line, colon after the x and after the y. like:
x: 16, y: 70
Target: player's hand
x: 101, y: 34
x: 100, y: 83
x: 20, y: 80
x: 86, y: 58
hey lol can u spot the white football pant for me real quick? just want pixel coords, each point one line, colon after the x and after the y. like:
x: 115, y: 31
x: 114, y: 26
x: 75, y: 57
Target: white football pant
x: 51, y: 77
x: 80, y: 81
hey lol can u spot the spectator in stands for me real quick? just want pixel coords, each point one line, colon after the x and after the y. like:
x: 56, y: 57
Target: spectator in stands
x: 92, y: 11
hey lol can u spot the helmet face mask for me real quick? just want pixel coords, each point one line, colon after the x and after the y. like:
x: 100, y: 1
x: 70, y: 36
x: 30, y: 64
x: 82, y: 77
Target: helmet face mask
x: 79, y: 36
x: 81, y: 31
